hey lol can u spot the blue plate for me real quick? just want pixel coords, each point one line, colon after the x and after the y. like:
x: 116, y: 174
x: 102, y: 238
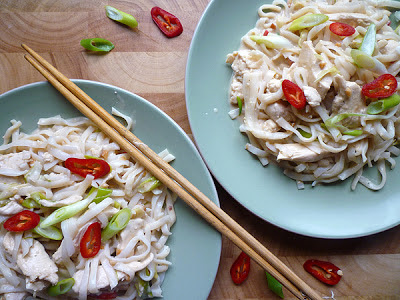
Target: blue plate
x: 195, y: 245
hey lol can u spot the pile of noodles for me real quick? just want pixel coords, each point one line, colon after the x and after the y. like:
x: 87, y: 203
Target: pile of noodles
x: 132, y: 263
x: 318, y: 61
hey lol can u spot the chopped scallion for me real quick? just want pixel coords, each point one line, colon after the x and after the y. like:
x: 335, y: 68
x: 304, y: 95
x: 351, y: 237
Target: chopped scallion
x: 50, y: 232
x: 272, y: 41
x: 116, y: 224
x: 368, y: 43
x: 331, y: 122
x: 148, y: 185
x: 120, y: 16
x: 307, y: 21
x: 67, y: 212
x: 240, y: 104
x: 61, y: 287
x: 102, y: 193
x: 355, y: 132
x: 274, y: 285
x: 382, y: 105
x: 304, y: 133
x: 97, y: 44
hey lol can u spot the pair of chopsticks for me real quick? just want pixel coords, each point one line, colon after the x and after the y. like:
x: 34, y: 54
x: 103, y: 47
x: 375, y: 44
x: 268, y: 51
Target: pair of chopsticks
x: 142, y: 154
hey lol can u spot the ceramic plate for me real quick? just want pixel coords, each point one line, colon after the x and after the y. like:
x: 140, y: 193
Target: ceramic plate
x: 195, y: 246
x: 329, y: 211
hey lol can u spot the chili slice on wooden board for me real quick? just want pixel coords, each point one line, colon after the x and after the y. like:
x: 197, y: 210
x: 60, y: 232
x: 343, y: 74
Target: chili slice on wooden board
x: 342, y: 29
x: 382, y: 87
x: 324, y: 271
x: 168, y: 23
x: 85, y: 166
x: 294, y: 94
x: 240, y: 268
x: 22, y: 221
x: 90, y: 243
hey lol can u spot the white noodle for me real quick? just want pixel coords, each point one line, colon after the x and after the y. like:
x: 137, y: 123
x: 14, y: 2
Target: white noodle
x: 320, y: 63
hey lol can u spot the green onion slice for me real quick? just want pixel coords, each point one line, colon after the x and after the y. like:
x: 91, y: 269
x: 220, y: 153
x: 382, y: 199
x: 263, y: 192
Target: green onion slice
x: 331, y: 122
x: 240, y: 104
x: 274, y: 285
x: 368, y: 43
x: 50, y: 232
x: 61, y: 287
x: 148, y: 185
x: 362, y: 59
x: 120, y: 16
x: 304, y: 133
x: 272, y: 41
x: 66, y: 212
x: 102, y: 193
x: 116, y: 224
x: 355, y: 132
x: 307, y: 21
x: 382, y: 105
x: 97, y: 44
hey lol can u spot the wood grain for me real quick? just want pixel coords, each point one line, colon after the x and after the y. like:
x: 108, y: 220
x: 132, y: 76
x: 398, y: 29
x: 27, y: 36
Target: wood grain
x: 153, y: 66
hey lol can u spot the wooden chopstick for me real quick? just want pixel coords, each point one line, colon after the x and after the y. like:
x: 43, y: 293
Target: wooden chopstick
x: 170, y: 177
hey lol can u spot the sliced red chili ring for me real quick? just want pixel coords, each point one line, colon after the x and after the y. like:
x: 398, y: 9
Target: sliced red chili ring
x: 105, y: 295
x: 85, y: 166
x: 91, y: 241
x: 167, y: 22
x: 240, y: 268
x: 294, y: 94
x: 382, y: 87
x: 342, y: 29
x: 324, y: 271
x: 22, y: 221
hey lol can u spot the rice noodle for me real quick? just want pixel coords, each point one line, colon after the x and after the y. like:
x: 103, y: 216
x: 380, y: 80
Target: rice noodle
x: 131, y: 262
x: 321, y: 64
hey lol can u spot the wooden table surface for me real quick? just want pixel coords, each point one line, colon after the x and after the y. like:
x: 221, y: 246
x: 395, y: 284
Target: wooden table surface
x: 147, y: 63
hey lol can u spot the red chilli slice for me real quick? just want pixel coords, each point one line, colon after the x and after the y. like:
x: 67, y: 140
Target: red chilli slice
x: 382, y: 87
x: 342, y: 29
x: 22, y: 221
x: 294, y: 94
x: 168, y: 23
x: 91, y: 241
x: 85, y: 166
x: 240, y: 268
x: 324, y: 271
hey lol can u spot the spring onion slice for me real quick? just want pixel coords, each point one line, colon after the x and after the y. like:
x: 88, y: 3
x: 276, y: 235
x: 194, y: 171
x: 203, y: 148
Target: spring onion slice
x: 50, y: 232
x: 116, y: 224
x: 368, y: 43
x: 304, y: 133
x: 272, y: 41
x: 322, y: 74
x: 120, y: 16
x: 308, y: 21
x: 97, y: 44
x: 331, y: 122
x: 61, y: 287
x: 355, y: 132
x: 33, y: 201
x: 143, y: 288
x: 30, y: 203
x: 102, y: 193
x: 274, y: 285
x: 382, y: 105
x: 67, y: 212
x: 240, y: 104
x: 148, y: 185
